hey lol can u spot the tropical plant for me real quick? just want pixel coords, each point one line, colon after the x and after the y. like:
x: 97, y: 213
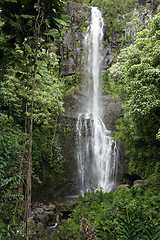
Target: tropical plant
x: 29, y: 80
x: 122, y: 214
x: 136, y: 75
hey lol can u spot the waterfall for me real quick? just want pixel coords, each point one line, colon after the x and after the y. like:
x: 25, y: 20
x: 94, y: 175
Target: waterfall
x: 97, y: 154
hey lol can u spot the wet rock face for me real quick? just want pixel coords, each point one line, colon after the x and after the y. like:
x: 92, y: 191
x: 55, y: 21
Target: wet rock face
x: 112, y: 110
x: 68, y: 138
x: 72, y: 43
x: 71, y: 50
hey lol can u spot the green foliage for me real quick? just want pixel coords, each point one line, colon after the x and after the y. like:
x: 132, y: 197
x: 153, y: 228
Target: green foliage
x: 11, y: 151
x: 136, y: 77
x: 120, y: 19
x: 27, y: 52
x: 11, y: 148
x: 129, y: 227
x: 122, y: 214
x: 7, y: 233
x: 72, y: 83
x: 71, y: 230
x: 48, y: 160
x: 117, y: 15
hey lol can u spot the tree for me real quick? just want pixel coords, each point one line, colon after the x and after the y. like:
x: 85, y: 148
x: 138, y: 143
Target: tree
x: 137, y: 74
x: 25, y: 49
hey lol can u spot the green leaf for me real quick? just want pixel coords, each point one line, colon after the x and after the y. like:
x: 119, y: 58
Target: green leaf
x: 28, y: 48
x: 61, y: 22
x: 27, y: 16
x: 51, y: 32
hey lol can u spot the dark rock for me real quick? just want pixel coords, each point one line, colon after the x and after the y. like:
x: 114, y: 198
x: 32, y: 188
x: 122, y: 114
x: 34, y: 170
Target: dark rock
x: 71, y: 48
x: 43, y: 218
x: 130, y: 178
x: 112, y: 110
x: 47, y: 224
x: 71, y: 105
x: 38, y: 210
x: 51, y: 223
x: 40, y: 227
x: 51, y: 215
x: 44, y: 213
x: 49, y: 207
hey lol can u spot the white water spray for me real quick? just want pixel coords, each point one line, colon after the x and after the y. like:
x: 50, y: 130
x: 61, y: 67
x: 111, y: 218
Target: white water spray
x: 97, y: 153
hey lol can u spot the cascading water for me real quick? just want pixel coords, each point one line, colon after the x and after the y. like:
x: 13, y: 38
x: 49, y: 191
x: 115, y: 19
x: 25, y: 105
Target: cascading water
x: 97, y: 153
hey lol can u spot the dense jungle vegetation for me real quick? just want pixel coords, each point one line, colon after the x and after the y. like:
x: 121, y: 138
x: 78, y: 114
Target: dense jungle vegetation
x: 31, y: 99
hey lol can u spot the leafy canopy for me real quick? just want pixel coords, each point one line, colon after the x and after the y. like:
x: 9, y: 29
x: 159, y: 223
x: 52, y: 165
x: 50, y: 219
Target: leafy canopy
x: 136, y: 75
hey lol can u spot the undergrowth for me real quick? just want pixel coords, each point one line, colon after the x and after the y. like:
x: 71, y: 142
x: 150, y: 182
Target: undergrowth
x: 123, y: 214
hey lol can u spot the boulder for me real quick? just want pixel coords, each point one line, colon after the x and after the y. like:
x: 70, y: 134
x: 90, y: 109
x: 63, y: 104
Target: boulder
x: 40, y: 227
x: 51, y: 223
x: 38, y: 210
x: 124, y: 186
x: 137, y: 183
x: 49, y: 207
x: 43, y: 218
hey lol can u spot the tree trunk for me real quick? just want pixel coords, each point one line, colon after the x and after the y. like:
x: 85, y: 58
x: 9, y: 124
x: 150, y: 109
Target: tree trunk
x: 29, y: 158
x: 29, y: 164
x: 25, y: 143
